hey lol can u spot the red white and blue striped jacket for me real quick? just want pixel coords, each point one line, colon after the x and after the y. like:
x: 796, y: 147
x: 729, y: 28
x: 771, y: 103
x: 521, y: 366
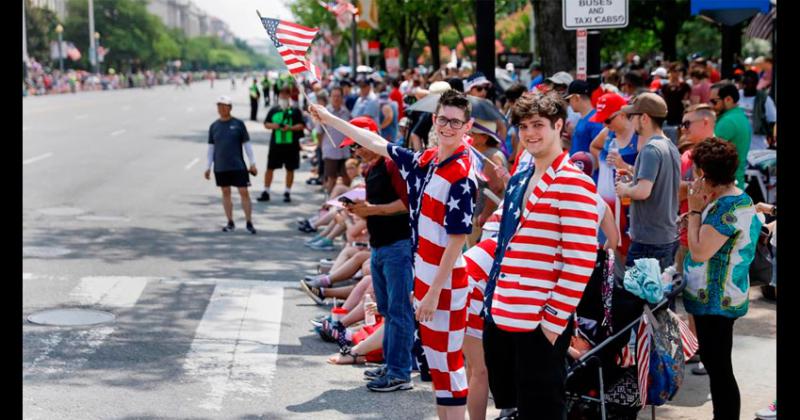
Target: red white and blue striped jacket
x: 544, y: 252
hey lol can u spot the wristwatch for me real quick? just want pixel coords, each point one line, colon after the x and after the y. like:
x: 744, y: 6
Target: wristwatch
x: 774, y: 211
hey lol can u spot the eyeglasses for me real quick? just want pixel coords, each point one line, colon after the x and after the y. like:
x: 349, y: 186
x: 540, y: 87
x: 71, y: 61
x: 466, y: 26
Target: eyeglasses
x: 479, y: 88
x: 714, y: 101
x: 688, y: 123
x: 455, y: 123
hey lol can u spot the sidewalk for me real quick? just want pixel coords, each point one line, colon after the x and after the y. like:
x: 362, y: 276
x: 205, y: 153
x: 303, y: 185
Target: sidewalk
x: 754, y: 364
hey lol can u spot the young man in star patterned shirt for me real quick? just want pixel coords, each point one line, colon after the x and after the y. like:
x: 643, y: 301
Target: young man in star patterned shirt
x: 441, y: 196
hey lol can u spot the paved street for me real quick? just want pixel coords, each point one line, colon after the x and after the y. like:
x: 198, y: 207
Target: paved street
x: 117, y: 216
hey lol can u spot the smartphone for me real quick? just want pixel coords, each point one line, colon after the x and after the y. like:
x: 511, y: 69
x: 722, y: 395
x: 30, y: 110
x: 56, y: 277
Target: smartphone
x: 346, y: 200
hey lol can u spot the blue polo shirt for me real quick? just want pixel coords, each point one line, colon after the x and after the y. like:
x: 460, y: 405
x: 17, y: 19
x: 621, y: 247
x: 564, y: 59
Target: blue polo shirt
x: 584, y: 133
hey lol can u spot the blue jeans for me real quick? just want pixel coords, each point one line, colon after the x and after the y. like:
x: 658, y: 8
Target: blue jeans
x: 664, y: 253
x: 393, y: 280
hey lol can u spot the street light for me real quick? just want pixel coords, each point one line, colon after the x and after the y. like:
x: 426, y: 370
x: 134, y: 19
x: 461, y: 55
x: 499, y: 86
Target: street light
x: 97, y: 55
x: 60, y: 31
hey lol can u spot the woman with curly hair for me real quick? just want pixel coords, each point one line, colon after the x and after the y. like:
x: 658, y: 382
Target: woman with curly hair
x: 723, y: 232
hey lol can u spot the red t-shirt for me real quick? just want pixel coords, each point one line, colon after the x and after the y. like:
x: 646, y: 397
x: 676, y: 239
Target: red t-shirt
x: 396, y: 96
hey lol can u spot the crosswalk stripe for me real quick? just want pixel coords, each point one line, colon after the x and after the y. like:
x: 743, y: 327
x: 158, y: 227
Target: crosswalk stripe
x: 236, y: 344
x: 120, y: 292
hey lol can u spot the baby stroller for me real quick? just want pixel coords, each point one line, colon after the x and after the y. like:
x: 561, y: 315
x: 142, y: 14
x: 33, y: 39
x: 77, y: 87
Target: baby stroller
x: 603, y: 382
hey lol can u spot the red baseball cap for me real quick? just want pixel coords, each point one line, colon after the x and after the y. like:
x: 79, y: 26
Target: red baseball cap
x: 608, y: 105
x: 362, y: 122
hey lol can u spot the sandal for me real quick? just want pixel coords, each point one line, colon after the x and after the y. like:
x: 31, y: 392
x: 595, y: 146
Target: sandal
x: 347, y: 351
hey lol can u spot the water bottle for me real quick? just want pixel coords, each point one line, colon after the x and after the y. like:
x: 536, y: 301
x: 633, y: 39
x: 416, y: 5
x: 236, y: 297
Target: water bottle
x: 369, y: 317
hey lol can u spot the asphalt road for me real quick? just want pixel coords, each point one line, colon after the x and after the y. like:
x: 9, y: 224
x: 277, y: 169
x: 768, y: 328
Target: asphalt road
x: 117, y: 216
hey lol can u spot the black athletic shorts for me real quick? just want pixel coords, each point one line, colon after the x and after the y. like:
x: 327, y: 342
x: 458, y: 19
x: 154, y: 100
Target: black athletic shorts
x: 280, y: 157
x: 232, y: 178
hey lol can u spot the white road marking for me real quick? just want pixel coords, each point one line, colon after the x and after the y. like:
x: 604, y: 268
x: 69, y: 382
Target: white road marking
x: 27, y: 276
x: 118, y: 132
x: 121, y: 292
x: 117, y: 292
x: 37, y: 158
x: 235, y: 347
x: 192, y: 163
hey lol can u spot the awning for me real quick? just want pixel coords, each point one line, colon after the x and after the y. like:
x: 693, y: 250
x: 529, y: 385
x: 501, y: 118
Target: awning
x: 729, y: 12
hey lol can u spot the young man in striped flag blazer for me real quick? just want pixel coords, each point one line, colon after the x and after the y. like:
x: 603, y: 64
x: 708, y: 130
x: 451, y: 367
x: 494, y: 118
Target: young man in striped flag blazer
x: 536, y: 268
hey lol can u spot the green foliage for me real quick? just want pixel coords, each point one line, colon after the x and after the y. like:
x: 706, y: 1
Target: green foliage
x: 137, y: 39
x: 698, y: 35
x: 40, y: 25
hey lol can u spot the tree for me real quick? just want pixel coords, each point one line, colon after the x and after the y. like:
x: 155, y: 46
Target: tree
x: 40, y: 25
x: 556, y: 46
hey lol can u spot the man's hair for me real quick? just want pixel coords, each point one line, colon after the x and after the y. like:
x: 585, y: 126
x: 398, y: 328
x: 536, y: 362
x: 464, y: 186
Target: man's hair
x: 454, y: 98
x: 676, y: 66
x: 718, y: 160
x: 703, y: 110
x: 344, y: 83
x: 658, y: 122
x: 515, y: 91
x: 750, y: 74
x: 395, y: 82
x: 727, y: 90
x: 339, y: 88
x: 551, y: 107
x: 633, y: 78
x: 699, y: 73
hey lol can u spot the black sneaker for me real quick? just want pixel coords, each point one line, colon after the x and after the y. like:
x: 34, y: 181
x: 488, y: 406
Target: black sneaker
x: 229, y: 227
x: 375, y: 373
x: 264, y: 196
x: 250, y: 228
x: 387, y: 384
x: 287, y: 198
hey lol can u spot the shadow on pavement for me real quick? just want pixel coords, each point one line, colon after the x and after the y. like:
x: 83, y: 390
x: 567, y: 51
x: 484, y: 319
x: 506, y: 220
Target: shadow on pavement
x: 364, y: 404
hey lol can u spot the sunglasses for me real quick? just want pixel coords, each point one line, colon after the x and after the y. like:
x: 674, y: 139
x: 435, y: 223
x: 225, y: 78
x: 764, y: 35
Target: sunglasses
x: 479, y: 88
x: 611, y: 119
x: 714, y: 101
x: 630, y: 116
x: 688, y: 123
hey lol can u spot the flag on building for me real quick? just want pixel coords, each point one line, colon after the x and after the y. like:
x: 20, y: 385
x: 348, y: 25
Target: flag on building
x: 292, y: 42
x: 368, y: 14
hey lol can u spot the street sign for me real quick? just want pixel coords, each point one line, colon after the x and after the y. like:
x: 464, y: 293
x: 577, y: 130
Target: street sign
x: 580, y: 49
x: 373, y: 48
x: 392, y: 56
x: 519, y: 60
x: 594, y: 14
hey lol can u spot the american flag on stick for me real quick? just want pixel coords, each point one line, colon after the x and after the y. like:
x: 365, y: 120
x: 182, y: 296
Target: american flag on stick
x: 292, y: 42
x: 338, y: 7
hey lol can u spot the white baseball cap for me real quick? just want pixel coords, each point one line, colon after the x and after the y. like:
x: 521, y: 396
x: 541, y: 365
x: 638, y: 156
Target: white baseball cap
x: 225, y: 100
x: 660, y: 72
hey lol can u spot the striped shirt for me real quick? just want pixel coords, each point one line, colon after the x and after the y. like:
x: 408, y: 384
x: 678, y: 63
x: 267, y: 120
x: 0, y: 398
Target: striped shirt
x: 545, y: 253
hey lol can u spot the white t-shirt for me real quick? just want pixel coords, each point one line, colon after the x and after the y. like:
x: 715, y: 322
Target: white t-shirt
x: 757, y: 141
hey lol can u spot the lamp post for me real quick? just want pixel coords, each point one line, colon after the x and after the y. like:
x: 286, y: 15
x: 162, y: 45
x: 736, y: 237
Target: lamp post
x: 96, y: 43
x: 60, y: 32
x: 92, y: 46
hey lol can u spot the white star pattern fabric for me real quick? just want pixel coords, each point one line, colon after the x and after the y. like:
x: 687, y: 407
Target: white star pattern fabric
x: 453, y: 203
